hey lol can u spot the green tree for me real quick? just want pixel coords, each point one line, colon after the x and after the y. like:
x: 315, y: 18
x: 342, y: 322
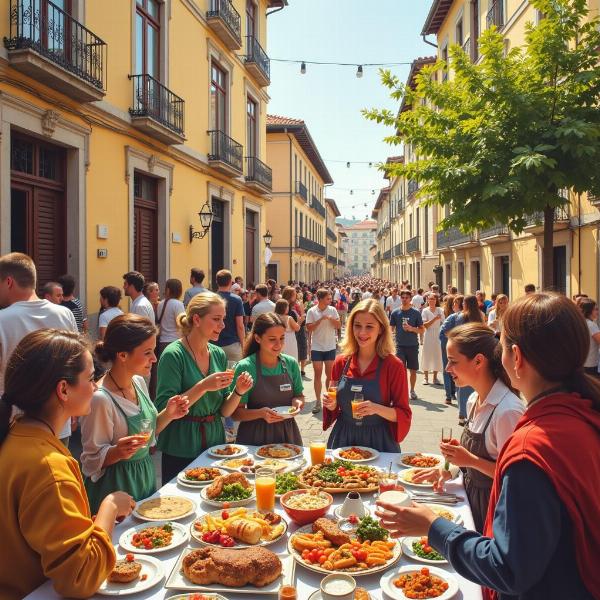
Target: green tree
x: 499, y: 141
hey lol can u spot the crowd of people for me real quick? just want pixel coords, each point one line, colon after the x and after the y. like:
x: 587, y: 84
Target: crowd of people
x: 184, y: 375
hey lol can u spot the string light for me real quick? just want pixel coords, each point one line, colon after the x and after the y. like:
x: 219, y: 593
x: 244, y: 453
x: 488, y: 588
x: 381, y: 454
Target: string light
x: 340, y: 64
x: 303, y: 68
x: 359, y: 71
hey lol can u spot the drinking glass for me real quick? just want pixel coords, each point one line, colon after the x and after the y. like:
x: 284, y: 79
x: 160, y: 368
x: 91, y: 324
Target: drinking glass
x: 264, y: 484
x: 332, y: 389
x: 317, y: 453
x: 146, y: 430
x: 231, y: 364
x: 446, y: 438
x: 358, y: 398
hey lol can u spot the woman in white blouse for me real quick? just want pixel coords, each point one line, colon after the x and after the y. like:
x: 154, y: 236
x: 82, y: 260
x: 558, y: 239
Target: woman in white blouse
x: 475, y: 360
x: 114, y: 436
x: 495, y: 315
x: 433, y: 316
x: 166, y: 314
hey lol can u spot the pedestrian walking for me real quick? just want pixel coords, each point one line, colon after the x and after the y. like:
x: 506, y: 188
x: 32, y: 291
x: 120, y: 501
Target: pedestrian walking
x: 433, y: 317
x: 133, y: 286
x: 196, y: 279
x: 589, y: 309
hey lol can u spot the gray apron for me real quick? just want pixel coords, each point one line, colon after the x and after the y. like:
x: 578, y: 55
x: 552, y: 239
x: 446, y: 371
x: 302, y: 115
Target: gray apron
x: 270, y: 391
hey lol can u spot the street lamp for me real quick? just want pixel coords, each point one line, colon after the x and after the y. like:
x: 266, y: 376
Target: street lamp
x: 268, y: 238
x: 206, y: 217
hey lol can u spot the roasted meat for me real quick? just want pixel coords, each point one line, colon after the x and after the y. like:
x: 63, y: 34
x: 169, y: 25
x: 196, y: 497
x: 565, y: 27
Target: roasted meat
x: 233, y: 568
x: 331, y: 531
x: 216, y: 487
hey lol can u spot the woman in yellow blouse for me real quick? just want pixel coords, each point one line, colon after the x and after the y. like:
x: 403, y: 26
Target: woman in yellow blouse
x: 47, y: 529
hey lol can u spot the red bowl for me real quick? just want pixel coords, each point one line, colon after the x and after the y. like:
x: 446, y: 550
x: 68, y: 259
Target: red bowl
x: 303, y: 516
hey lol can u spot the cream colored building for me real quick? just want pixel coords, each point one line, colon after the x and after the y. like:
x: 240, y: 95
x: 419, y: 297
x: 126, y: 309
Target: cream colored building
x: 361, y: 236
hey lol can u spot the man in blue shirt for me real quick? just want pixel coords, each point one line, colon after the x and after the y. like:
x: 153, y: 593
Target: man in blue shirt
x: 408, y: 324
x: 231, y: 338
x: 196, y: 279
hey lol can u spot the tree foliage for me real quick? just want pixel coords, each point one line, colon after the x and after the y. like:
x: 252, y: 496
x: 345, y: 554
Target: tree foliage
x: 501, y: 139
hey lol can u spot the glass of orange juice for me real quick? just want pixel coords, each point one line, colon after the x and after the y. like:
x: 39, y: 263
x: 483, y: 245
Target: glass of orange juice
x: 146, y: 429
x: 265, y: 489
x: 317, y: 453
x: 332, y: 389
x: 358, y: 398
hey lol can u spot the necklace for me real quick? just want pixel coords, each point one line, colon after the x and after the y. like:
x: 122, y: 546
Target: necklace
x: 187, y: 341
x: 44, y: 422
x: 119, y: 387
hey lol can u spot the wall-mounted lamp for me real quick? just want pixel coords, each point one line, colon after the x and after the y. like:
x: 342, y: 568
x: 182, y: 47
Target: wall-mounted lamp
x: 268, y: 238
x: 206, y: 217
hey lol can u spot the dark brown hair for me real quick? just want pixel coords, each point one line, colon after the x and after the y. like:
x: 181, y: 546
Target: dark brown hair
x: 587, y: 306
x: 197, y: 275
x: 136, y: 279
x: 123, y: 334
x: 223, y: 277
x: 281, y: 306
x: 20, y: 267
x: 554, y: 338
x: 448, y: 302
x: 111, y: 294
x: 470, y: 310
x: 175, y: 288
x: 259, y: 327
x: 38, y: 363
x: 322, y: 293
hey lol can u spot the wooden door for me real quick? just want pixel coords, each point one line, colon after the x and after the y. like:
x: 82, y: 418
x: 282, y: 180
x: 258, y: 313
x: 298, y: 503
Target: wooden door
x: 145, y: 227
x: 251, y: 219
x: 217, y: 239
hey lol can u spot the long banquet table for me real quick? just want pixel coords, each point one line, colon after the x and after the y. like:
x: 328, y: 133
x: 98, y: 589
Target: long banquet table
x: 306, y: 581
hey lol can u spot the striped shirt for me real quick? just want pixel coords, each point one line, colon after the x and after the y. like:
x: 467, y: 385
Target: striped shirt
x: 75, y: 306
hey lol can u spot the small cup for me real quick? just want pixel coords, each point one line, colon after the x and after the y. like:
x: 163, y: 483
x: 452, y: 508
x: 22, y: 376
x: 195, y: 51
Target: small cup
x: 395, y: 497
x: 338, y: 586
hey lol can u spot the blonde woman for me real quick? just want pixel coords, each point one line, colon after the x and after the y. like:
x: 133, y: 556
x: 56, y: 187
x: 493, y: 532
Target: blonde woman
x: 368, y: 372
x: 496, y: 314
x: 194, y: 366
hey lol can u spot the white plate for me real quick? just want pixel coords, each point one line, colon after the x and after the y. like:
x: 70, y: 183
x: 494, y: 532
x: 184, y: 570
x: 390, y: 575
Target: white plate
x: 375, y: 453
x: 456, y: 517
x: 178, y: 581
x: 217, y: 513
x: 180, y: 536
x: 137, y: 515
x: 391, y: 590
x: 220, y: 464
x: 296, y: 454
x: 407, y: 548
x: 318, y: 596
x: 419, y: 485
x: 284, y: 411
x: 190, y: 483
x: 150, y: 566
x: 242, y: 450
x: 404, y: 455
x: 232, y: 504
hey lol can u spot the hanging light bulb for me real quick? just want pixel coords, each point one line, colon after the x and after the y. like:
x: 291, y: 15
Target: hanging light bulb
x: 351, y: 192
x: 372, y: 192
x: 359, y: 71
x: 348, y: 165
x: 303, y: 68
x: 370, y: 164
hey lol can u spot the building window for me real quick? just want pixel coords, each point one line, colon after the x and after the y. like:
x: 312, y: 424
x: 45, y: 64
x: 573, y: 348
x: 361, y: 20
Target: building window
x: 218, y: 98
x: 147, y: 38
x: 251, y: 141
x: 459, y: 32
x: 251, y: 30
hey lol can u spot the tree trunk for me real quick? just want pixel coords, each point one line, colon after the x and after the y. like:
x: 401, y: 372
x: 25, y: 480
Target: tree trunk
x: 548, y: 251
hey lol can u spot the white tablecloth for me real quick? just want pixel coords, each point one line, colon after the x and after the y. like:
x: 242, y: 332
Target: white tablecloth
x: 306, y: 581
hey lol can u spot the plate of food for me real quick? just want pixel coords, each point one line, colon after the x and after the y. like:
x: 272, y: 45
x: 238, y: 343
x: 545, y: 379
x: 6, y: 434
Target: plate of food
x: 287, y: 412
x: 323, y: 547
x: 420, y: 460
x: 418, y: 548
x: 409, y: 582
x: 406, y: 476
x: 446, y: 513
x: 235, y: 464
x: 356, y: 454
x: 254, y: 571
x: 133, y: 573
x: 164, y: 508
x: 284, y: 451
x: 195, y: 596
x: 243, y: 528
x: 151, y: 539
x: 229, y: 491
x: 227, y: 451
x: 341, y: 476
x: 198, y: 476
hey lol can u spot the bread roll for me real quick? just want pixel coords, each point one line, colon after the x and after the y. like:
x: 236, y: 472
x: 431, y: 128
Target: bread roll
x: 245, y: 531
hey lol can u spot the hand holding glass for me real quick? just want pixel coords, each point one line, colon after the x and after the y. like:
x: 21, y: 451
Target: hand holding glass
x: 358, y: 398
x: 446, y: 438
x: 146, y: 430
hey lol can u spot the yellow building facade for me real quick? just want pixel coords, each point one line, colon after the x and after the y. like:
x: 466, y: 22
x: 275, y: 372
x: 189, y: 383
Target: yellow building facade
x: 297, y: 216
x: 120, y: 121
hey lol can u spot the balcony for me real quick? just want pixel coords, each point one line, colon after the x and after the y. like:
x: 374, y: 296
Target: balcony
x: 331, y: 234
x: 341, y: 263
x: 535, y: 222
x: 258, y: 175
x: 257, y: 61
x: 454, y: 237
x: 156, y: 110
x: 413, y: 245
x: 497, y: 233
x: 225, y: 21
x: 466, y: 46
x: 302, y: 191
x: 332, y: 259
x: 413, y: 186
x: 56, y: 50
x: 387, y: 255
x: 303, y: 243
x: 495, y: 15
x: 398, y: 250
x: 318, y: 206
x: 225, y: 154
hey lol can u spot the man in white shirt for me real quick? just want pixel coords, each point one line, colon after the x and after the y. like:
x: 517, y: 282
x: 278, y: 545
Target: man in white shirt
x: 393, y: 302
x: 133, y: 284
x: 24, y: 312
x: 264, y: 305
x: 417, y: 300
x: 323, y: 322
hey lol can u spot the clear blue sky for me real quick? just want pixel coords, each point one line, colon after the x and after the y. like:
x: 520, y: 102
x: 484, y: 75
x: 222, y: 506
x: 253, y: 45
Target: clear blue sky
x: 329, y: 98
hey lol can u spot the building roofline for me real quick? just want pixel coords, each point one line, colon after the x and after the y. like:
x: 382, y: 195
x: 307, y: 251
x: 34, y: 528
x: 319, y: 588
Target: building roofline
x: 437, y: 15
x: 334, y: 206
x: 415, y: 67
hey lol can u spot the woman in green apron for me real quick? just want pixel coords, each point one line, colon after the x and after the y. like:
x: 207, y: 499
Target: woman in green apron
x: 277, y: 382
x: 196, y: 368
x: 115, y: 450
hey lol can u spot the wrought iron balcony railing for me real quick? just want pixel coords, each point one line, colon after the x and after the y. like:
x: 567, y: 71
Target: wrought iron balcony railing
x: 257, y: 57
x: 318, y: 206
x: 413, y: 245
x: 331, y: 234
x: 48, y: 30
x: 454, y: 237
x: 398, y: 249
x: 257, y: 171
x: 413, y: 186
x: 561, y: 213
x: 341, y: 263
x: 225, y: 149
x: 309, y: 245
x: 331, y: 259
x: 223, y: 12
x: 494, y: 231
x: 302, y: 191
x: 152, y: 99
x: 495, y: 15
x: 387, y: 254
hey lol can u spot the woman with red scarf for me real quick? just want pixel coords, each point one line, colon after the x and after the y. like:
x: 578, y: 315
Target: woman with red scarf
x: 542, y: 534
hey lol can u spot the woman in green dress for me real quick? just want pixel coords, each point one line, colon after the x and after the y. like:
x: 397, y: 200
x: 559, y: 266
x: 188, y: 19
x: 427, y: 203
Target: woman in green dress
x: 115, y: 451
x: 196, y: 368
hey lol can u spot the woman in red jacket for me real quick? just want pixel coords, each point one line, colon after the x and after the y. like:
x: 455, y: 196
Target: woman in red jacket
x: 368, y: 371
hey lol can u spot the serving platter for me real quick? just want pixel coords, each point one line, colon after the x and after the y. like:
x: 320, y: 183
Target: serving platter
x: 165, y: 516
x: 305, y: 476
x: 194, y: 484
x: 402, y: 476
x: 406, y: 455
x: 271, y: 451
x: 229, y: 503
x: 151, y: 567
x: 241, y: 451
x: 374, y: 454
x: 391, y: 590
x: 178, y: 581
x: 180, y: 536
x: 407, y: 548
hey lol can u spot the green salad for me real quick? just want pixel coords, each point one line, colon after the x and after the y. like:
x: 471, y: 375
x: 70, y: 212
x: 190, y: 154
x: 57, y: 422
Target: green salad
x: 286, y: 482
x: 233, y: 492
x: 370, y: 529
x: 422, y: 548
